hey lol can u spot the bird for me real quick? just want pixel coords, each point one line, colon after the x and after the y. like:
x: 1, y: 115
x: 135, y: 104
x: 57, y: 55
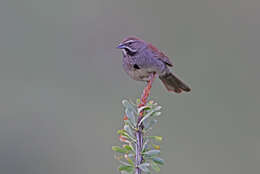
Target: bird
x: 141, y: 59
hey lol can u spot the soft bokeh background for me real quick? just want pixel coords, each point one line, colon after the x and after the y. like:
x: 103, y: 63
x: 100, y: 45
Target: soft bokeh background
x: 61, y: 84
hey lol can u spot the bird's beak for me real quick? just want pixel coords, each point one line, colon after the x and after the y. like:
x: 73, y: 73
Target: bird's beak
x: 120, y: 46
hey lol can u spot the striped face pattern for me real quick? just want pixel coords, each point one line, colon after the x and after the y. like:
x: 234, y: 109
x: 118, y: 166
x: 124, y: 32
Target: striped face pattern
x: 131, y: 46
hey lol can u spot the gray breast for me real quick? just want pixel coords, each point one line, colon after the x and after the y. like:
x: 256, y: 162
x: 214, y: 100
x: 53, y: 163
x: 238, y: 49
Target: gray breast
x: 140, y: 74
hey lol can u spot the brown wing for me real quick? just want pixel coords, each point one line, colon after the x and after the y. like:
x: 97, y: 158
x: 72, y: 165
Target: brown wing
x: 158, y: 54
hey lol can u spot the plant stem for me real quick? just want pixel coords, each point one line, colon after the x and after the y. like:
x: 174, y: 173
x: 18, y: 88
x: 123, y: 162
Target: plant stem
x: 139, y: 144
x: 139, y: 132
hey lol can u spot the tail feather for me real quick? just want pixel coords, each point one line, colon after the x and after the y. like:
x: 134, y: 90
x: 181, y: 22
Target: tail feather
x: 172, y: 83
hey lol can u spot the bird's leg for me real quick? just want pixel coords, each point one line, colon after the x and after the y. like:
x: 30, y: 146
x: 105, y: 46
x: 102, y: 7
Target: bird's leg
x: 145, y: 95
x: 139, y: 131
x: 146, y: 91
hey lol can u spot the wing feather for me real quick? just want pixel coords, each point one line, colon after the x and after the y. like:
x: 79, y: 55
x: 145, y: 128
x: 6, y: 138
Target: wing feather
x: 160, y: 55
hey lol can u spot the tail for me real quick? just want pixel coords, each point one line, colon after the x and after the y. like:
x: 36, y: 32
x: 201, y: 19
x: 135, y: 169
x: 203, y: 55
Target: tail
x: 172, y: 83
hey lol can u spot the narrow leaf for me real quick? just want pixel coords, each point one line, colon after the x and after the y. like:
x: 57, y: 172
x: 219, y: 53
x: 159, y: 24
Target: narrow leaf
x: 124, y: 163
x: 131, y: 146
x: 157, y: 147
x: 128, y: 105
x: 123, y: 133
x: 127, y: 122
x: 155, y: 167
x: 152, y: 152
x: 120, y: 131
x: 126, y: 168
x: 144, y: 167
x: 150, y: 113
x: 157, y: 114
x: 146, y: 123
x: 158, y: 160
x: 143, y: 108
x: 157, y: 108
x: 157, y: 138
x: 130, y: 161
x: 145, y: 145
x: 119, y: 149
x: 127, y: 147
x: 149, y: 123
x: 131, y: 115
x: 128, y: 130
x: 123, y: 139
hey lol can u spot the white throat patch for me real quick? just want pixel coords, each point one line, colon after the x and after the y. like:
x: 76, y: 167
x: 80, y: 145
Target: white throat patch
x: 124, y: 52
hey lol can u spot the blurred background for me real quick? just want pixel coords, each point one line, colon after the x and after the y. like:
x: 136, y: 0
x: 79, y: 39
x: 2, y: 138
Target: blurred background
x: 61, y: 84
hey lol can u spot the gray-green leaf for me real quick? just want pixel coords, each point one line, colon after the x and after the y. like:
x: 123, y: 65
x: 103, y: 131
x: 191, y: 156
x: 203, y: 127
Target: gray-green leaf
x: 130, y: 115
x: 158, y: 160
x: 145, y: 145
x: 157, y: 114
x: 128, y: 105
x: 119, y: 149
x: 127, y: 122
x: 157, y: 138
x: 150, y: 113
x: 124, y: 163
x: 157, y: 108
x: 152, y: 152
x: 128, y: 130
x: 149, y: 123
x: 139, y: 110
x: 155, y: 167
x: 126, y: 168
x: 127, y: 147
x: 144, y: 167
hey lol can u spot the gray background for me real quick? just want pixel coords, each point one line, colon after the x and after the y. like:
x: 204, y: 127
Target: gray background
x: 61, y: 84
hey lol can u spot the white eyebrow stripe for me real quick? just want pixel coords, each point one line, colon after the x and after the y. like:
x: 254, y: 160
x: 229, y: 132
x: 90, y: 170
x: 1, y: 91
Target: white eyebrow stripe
x: 132, y: 50
x: 129, y: 41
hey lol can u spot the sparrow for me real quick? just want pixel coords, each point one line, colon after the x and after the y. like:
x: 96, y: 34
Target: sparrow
x: 141, y: 59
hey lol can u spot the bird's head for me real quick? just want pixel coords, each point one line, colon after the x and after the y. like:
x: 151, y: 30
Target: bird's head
x: 131, y: 45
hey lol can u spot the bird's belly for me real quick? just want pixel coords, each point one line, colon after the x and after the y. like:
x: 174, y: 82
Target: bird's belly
x: 140, y: 74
